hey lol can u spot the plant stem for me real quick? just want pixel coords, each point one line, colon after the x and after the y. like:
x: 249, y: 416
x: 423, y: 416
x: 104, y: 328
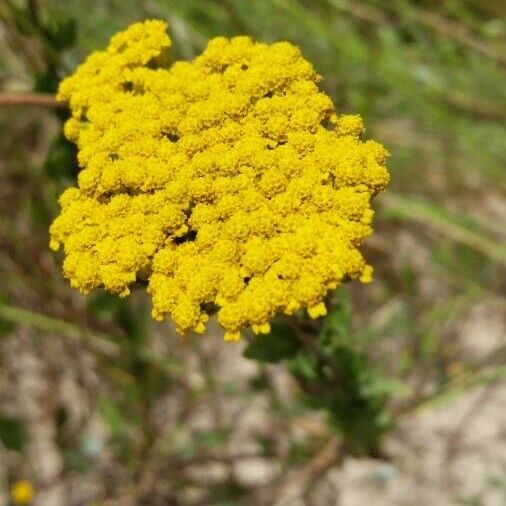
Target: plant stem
x: 30, y: 99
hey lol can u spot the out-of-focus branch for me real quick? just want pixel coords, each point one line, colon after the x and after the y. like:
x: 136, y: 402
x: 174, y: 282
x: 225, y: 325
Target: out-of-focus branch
x: 234, y: 17
x: 449, y: 28
x: 102, y: 343
x: 477, y: 374
x: 430, y: 215
x: 30, y: 99
x: 460, y: 33
x: 290, y: 487
x: 476, y: 108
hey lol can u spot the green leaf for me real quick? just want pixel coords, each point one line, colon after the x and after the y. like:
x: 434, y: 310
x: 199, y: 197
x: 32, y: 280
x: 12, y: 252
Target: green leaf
x: 279, y: 344
x: 12, y: 433
x: 305, y: 366
x: 336, y: 326
x: 382, y: 386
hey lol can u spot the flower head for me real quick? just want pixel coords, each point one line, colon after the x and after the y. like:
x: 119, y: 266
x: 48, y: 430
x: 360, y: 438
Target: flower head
x: 22, y: 492
x: 228, y: 182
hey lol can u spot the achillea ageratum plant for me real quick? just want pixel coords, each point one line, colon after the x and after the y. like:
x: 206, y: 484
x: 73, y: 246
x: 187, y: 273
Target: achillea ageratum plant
x: 227, y: 184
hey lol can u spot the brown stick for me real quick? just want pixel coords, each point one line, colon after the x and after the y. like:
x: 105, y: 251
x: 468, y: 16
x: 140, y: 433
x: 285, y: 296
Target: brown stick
x: 29, y: 99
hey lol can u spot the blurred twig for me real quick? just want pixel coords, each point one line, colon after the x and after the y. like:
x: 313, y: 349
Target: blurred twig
x: 289, y: 486
x: 488, y: 370
x: 423, y: 212
x: 30, y: 99
x: 234, y: 17
x: 477, y: 108
x: 451, y: 29
x: 454, y: 440
x: 460, y: 33
x: 101, y: 342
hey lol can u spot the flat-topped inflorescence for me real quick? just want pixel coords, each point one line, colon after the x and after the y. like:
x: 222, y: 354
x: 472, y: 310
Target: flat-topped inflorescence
x: 227, y: 183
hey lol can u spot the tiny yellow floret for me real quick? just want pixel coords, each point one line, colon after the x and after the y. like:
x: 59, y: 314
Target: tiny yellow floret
x: 226, y: 184
x: 316, y: 311
x: 232, y: 336
x: 366, y: 276
x: 22, y: 492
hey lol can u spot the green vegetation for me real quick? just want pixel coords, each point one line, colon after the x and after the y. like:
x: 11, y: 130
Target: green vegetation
x: 128, y: 413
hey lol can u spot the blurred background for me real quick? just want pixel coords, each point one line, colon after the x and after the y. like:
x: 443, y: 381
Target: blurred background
x: 99, y: 405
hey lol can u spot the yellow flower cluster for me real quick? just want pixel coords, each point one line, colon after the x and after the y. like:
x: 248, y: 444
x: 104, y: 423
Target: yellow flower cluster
x: 227, y: 183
